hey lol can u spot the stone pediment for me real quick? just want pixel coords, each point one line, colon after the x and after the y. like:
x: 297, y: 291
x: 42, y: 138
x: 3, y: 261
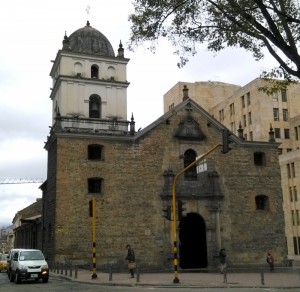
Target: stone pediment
x: 189, y: 129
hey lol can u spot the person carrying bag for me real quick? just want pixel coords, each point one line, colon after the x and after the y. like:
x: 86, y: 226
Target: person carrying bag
x: 131, y: 260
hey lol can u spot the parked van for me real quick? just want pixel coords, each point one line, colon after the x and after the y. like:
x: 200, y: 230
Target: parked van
x: 9, y: 259
x: 29, y: 264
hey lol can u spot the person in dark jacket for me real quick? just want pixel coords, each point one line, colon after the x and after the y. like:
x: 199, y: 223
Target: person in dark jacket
x: 222, y: 258
x: 131, y: 259
x: 270, y: 261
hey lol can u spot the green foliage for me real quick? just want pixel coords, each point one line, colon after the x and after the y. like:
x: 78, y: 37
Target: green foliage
x: 249, y: 24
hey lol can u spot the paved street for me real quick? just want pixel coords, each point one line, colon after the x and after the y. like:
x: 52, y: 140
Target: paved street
x: 160, y: 282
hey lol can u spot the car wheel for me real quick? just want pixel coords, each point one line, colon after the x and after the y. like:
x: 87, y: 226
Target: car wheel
x: 11, y: 277
x: 45, y: 280
x: 18, y: 279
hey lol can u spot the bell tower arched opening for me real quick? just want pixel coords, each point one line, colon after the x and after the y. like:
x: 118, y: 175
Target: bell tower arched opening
x: 192, y: 246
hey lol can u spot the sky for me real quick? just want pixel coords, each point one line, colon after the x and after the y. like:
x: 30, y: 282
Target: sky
x: 32, y: 32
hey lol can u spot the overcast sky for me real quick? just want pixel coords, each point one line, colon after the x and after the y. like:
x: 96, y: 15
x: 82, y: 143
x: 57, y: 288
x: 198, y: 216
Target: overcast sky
x: 31, y: 34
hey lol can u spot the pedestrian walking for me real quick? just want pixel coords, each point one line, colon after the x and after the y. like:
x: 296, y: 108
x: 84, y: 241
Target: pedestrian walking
x: 270, y: 261
x: 222, y: 258
x: 131, y: 260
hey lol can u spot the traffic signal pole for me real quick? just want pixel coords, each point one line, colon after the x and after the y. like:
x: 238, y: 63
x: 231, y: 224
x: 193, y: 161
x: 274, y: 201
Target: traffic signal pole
x: 176, y: 279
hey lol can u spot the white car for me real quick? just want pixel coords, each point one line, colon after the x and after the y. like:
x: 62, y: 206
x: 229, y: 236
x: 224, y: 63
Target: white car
x: 29, y: 264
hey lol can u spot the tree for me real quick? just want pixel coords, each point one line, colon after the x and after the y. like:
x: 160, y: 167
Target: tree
x: 254, y: 25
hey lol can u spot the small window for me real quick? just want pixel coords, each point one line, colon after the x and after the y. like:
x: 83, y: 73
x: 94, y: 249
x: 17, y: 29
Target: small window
x: 95, y: 72
x: 95, y: 106
x: 276, y: 114
x: 286, y: 133
x: 283, y: 95
x: 94, y: 185
x: 275, y: 96
x: 243, y: 101
x: 259, y: 158
x: 245, y: 120
x: 277, y: 133
x: 190, y: 157
x: 296, y: 241
x: 261, y: 202
x: 285, y: 115
x: 296, y: 133
x: 95, y: 152
x: 231, y: 108
x: 248, y: 98
x: 250, y: 118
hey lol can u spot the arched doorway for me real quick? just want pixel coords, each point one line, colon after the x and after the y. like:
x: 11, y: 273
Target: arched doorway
x: 192, y: 246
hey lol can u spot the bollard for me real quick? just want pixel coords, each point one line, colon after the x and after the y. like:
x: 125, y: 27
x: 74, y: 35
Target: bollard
x: 57, y: 268
x: 110, y: 272
x: 225, y: 276
x: 262, y: 277
x: 61, y: 268
x: 137, y: 274
x: 71, y: 270
x: 76, y: 272
x: 66, y: 269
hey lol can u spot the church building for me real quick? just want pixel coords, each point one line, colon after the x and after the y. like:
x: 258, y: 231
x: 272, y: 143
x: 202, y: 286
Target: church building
x: 228, y: 200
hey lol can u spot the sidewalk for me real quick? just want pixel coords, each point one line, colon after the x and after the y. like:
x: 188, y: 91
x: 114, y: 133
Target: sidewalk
x: 280, y: 279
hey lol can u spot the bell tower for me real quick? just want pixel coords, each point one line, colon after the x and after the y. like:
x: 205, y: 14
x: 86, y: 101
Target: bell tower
x: 89, y: 84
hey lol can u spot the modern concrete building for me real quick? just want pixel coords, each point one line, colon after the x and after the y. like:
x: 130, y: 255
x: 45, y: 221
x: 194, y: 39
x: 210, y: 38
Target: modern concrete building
x: 251, y: 112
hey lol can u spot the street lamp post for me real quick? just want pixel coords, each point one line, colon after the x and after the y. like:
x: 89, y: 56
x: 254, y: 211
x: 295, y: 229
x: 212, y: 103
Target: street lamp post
x: 176, y: 279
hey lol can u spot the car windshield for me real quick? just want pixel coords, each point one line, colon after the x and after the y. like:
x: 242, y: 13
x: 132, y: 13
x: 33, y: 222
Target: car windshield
x: 31, y: 255
x: 3, y: 257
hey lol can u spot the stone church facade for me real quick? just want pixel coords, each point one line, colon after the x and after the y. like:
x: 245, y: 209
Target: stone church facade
x: 231, y: 200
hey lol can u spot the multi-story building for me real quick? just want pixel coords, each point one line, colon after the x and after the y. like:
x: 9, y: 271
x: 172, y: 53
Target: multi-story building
x: 251, y: 111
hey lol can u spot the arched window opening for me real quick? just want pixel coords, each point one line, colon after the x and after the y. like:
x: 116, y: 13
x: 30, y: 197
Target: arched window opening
x: 189, y: 157
x: 95, y: 72
x: 94, y: 107
x: 95, y: 185
x: 95, y: 152
x: 78, y: 69
x: 259, y: 158
x: 111, y: 73
x: 261, y: 202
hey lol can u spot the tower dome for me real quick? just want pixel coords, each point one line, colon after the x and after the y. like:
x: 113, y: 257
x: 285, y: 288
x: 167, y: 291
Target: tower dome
x: 89, y: 40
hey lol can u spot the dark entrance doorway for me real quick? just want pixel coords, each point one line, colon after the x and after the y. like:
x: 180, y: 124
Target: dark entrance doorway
x: 192, y: 246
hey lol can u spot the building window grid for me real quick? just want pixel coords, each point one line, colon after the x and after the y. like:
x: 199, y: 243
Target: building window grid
x: 295, y: 194
x: 275, y: 96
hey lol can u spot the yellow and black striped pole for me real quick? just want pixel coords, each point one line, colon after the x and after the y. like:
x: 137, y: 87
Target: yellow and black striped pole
x: 94, y: 275
x: 176, y: 279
